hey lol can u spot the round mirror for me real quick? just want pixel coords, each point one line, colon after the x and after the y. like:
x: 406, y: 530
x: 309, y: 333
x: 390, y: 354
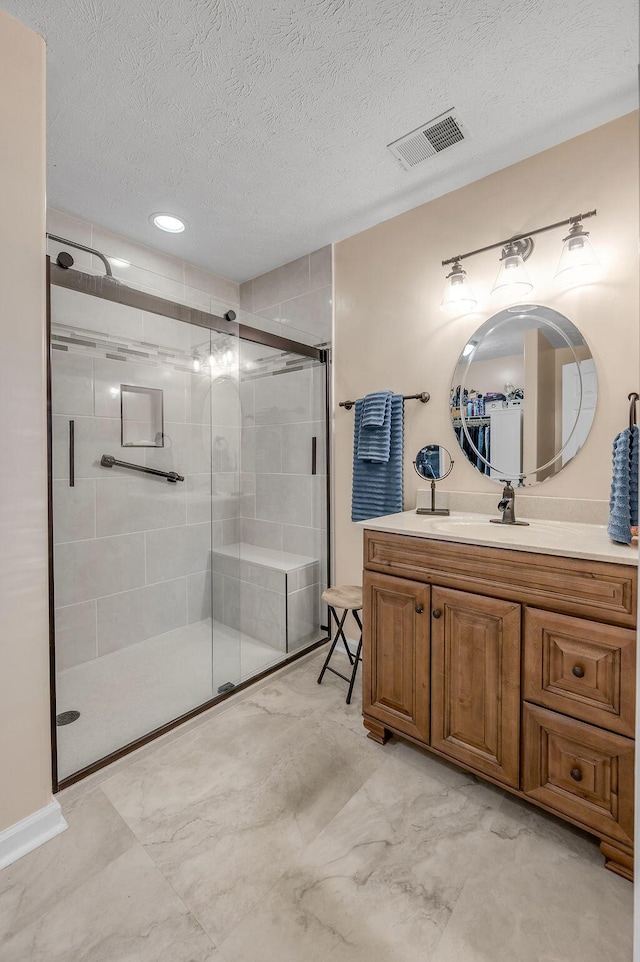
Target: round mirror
x: 523, y: 395
x: 433, y: 462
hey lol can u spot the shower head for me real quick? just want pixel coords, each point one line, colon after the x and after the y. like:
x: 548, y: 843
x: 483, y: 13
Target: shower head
x: 63, y: 255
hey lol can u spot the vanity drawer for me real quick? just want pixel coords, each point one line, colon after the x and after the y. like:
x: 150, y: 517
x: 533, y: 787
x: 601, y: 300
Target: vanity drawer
x: 579, y: 771
x: 574, y: 586
x: 581, y: 668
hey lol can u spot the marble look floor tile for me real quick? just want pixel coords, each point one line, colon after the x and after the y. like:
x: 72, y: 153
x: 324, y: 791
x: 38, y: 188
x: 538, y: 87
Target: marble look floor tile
x: 96, y: 836
x: 517, y: 820
x: 298, y: 695
x: 541, y: 910
x: 224, y: 845
x: 125, y: 912
x: 379, y: 882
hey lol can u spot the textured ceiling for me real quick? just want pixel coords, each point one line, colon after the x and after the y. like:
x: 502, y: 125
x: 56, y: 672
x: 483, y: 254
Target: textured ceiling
x: 264, y: 123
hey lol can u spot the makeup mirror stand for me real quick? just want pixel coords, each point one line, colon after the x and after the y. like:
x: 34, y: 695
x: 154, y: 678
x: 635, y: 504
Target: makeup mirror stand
x: 425, y: 470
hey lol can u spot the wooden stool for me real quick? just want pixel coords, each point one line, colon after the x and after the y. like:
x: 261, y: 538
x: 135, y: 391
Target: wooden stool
x: 348, y: 598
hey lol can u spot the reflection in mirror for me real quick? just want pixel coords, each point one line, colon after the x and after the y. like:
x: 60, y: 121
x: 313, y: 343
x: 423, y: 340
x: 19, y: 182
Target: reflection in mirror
x: 524, y: 394
x: 434, y: 463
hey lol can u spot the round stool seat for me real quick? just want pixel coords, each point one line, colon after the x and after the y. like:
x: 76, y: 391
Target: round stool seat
x: 348, y: 597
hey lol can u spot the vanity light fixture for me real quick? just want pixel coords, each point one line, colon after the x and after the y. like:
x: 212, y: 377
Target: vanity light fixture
x: 577, y: 265
x: 578, y: 262
x: 119, y: 262
x: 512, y: 279
x: 458, y: 297
x: 168, y: 222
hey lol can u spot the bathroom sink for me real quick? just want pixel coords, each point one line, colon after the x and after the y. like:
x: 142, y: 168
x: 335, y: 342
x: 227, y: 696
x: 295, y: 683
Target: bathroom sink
x: 483, y: 529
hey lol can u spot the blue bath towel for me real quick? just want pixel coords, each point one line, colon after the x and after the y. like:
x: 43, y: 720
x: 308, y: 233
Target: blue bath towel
x: 374, y: 433
x: 377, y: 486
x: 623, y: 503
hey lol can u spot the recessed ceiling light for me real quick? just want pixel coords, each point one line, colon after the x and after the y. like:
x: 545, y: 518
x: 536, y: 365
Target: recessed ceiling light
x: 168, y: 222
x: 119, y: 262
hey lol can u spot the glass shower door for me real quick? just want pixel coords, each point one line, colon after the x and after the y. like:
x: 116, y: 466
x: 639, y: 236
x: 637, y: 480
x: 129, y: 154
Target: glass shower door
x: 146, y: 438
x: 282, y: 549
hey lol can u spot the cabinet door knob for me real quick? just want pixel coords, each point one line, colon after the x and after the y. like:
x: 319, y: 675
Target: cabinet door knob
x: 436, y: 612
x: 576, y: 774
x: 419, y: 609
x: 578, y: 671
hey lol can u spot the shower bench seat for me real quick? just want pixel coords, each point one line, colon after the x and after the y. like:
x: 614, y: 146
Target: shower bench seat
x: 271, y: 595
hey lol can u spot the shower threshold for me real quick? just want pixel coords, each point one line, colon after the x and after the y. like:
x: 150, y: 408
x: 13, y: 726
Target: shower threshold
x: 124, y: 695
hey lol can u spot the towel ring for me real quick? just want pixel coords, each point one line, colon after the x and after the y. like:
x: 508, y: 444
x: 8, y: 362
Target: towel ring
x: 634, y: 397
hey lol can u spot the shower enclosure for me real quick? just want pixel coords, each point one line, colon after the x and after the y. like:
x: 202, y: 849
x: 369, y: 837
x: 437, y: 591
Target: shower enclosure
x: 189, y: 510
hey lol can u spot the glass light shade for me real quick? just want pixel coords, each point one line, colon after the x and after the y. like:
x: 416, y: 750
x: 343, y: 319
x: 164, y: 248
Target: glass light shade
x: 512, y: 279
x: 458, y: 298
x: 578, y: 263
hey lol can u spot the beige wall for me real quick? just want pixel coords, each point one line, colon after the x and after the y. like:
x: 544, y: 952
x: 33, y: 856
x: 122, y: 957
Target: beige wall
x: 391, y: 334
x: 25, y: 768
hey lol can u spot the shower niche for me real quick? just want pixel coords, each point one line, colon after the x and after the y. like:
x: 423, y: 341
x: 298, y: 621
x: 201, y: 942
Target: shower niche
x: 141, y: 417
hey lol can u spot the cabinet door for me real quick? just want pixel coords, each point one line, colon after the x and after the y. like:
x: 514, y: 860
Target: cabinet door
x: 475, y: 681
x: 396, y: 654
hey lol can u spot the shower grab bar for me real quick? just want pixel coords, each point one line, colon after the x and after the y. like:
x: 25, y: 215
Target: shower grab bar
x: 108, y: 461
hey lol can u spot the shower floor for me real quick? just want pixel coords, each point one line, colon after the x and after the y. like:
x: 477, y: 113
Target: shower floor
x: 125, y: 695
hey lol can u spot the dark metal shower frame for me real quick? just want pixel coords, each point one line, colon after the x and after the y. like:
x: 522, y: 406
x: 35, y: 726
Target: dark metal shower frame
x: 105, y: 288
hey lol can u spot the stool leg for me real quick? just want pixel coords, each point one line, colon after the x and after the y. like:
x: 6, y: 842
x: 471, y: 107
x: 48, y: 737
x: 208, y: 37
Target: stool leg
x: 340, y: 632
x: 356, y: 660
x: 354, y: 672
x: 335, y: 641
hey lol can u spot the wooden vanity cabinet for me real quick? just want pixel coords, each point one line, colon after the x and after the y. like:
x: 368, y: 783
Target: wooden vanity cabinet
x: 517, y: 666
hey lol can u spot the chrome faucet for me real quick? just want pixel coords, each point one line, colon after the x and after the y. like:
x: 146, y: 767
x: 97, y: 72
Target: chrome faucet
x: 507, y: 505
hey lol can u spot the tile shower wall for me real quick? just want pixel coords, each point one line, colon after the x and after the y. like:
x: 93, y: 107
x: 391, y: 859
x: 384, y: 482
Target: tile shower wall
x: 147, y: 269
x: 283, y: 504
x: 298, y: 295
x: 132, y: 553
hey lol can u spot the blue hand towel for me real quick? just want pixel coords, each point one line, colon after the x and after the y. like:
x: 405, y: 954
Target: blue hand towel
x: 377, y: 486
x: 375, y: 408
x: 623, y: 503
x: 374, y: 431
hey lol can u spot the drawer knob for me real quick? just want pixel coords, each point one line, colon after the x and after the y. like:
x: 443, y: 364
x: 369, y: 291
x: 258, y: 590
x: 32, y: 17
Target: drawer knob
x: 576, y: 774
x: 419, y: 609
x: 578, y: 671
x: 436, y: 612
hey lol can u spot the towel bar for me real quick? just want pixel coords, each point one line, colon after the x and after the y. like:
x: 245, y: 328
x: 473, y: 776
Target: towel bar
x: 423, y: 396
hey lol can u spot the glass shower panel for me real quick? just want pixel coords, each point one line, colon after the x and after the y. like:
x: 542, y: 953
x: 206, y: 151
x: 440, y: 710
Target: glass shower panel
x: 138, y: 507
x: 282, y: 549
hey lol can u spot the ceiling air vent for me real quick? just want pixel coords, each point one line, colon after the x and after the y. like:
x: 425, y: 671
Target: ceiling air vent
x: 437, y: 135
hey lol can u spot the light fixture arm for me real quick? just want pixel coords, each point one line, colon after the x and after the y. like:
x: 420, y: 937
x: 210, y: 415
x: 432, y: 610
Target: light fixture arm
x: 521, y: 237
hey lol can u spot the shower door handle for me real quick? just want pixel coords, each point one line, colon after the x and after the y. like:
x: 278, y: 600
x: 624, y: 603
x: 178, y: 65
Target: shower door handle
x: 72, y: 454
x: 314, y: 455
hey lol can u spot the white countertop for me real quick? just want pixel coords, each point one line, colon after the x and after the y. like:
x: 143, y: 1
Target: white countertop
x: 563, y: 538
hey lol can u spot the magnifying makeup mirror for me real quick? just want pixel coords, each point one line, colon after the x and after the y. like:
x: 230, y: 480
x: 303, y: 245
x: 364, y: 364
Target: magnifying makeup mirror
x: 433, y: 463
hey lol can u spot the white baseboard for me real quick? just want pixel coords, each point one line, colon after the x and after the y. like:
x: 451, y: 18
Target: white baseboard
x: 30, y: 832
